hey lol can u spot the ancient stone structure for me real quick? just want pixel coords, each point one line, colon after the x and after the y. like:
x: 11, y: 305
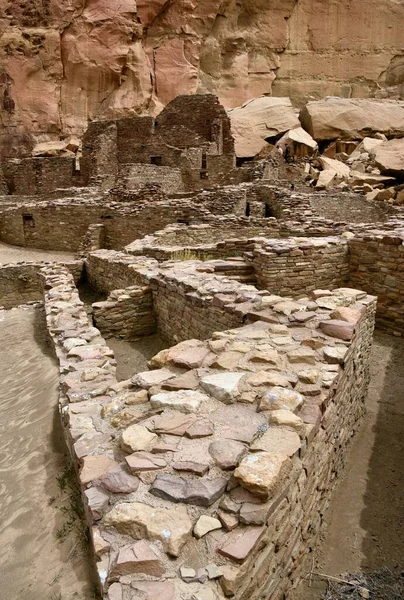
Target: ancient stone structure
x: 206, y: 476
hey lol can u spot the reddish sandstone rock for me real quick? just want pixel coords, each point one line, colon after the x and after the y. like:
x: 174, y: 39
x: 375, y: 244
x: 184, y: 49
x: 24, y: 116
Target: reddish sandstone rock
x: 227, y: 453
x: 239, y: 544
x: 138, y: 558
x: 342, y: 330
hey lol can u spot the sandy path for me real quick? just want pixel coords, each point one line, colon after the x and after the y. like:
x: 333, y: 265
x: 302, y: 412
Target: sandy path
x: 34, y: 565
x: 13, y: 254
x: 365, y: 520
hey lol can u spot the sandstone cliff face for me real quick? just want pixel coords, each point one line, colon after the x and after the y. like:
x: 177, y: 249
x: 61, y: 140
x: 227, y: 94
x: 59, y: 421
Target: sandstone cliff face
x: 63, y: 62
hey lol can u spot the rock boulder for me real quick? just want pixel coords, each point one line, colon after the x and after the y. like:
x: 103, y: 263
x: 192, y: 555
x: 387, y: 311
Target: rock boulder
x: 349, y: 118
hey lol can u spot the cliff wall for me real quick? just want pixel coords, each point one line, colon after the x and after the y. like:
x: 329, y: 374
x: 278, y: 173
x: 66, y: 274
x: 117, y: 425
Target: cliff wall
x: 63, y: 62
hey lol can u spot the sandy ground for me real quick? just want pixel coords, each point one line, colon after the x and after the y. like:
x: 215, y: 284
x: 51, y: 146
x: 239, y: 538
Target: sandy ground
x: 13, y: 254
x: 132, y: 357
x: 365, y: 520
x: 34, y: 565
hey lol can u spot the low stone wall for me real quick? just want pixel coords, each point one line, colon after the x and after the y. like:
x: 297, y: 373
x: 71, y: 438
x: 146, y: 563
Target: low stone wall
x: 126, y: 313
x: 209, y: 475
x: 108, y: 270
x: 137, y: 175
x: 21, y: 283
x: 298, y: 266
x: 376, y: 262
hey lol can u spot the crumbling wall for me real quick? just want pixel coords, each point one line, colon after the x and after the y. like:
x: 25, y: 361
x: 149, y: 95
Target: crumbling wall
x: 296, y: 266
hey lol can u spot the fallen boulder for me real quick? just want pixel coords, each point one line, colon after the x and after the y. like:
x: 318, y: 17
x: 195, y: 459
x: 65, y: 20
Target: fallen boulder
x: 259, y: 119
x: 299, y: 141
x: 389, y: 158
x: 349, y: 118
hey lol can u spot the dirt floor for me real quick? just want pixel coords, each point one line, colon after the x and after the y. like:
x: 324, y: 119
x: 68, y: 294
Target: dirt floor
x: 13, y: 254
x: 132, y: 357
x: 42, y: 556
x: 365, y: 520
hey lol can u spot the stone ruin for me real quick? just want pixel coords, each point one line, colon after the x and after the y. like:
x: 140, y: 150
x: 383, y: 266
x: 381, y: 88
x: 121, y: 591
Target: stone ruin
x: 208, y: 475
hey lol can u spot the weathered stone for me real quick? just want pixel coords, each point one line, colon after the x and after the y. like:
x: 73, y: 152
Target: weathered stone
x: 145, y: 461
x: 177, y: 489
x: 265, y: 378
x: 118, y: 481
x: 239, y: 544
x: 286, y: 418
x: 309, y: 375
x: 262, y: 473
x: 95, y: 467
x: 191, y: 358
x: 97, y: 501
x: 191, y: 467
x: 137, y: 558
x: 101, y: 546
x: 187, y: 381
x: 187, y: 401
x: 136, y: 438
x: 227, y: 453
x: 278, y: 439
x: 200, y: 429
x: 229, y: 521
x: 335, y: 354
x: 338, y: 329
x: 147, y: 379
x: 253, y: 514
x: 173, y: 423
x: 206, y: 524
x: 302, y: 355
x: 154, y: 590
x: 115, y: 592
x: 223, y: 386
x: 170, y: 526
x: 280, y: 398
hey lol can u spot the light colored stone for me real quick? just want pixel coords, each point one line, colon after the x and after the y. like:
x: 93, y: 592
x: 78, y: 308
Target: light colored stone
x: 187, y: 401
x: 278, y: 439
x: 206, y: 524
x: 170, y: 526
x: 389, y: 157
x: 259, y: 119
x: 286, y: 418
x: 280, y: 398
x: 352, y: 118
x: 136, y: 438
x: 262, y: 473
x: 223, y: 386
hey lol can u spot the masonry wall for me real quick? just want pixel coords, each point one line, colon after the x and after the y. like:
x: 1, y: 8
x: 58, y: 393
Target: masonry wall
x: 296, y: 267
x: 168, y: 178
x: 108, y: 270
x: 264, y: 553
x: 62, y: 226
x: 21, y: 283
x: 377, y: 265
x: 127, y: 313
x: 40, y: 175
x: 181, y: 316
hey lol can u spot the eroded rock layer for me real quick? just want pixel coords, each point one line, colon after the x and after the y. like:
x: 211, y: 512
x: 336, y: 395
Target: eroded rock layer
x: 63, y: 63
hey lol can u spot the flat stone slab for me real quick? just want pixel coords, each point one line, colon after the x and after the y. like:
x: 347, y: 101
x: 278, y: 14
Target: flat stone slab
x: 205, y: 524
x: 223, y: 386
x: 136, y: 438
x: 187, y: 401
x: 171, y: 526
x: 240, y: 543
x: 202, y: 492
x: 278, y: 439
x: 137, y: 558
x: 145, y: 461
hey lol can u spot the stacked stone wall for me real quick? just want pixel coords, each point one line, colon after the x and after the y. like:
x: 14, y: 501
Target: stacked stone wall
x: 127, y: 313
x: 259, y: 536
x: 108, y: 270
x: 376, y: 263
x: 27, y: 176
x: 296, y: 266
x: 21, y: 283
